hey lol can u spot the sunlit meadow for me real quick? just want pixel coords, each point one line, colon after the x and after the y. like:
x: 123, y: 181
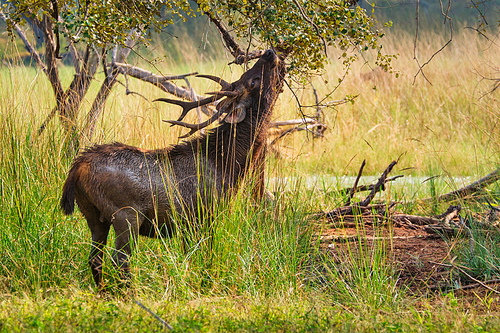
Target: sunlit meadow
x: 265, y: 269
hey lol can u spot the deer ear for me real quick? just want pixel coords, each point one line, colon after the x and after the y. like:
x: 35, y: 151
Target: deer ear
x: 236, y: 116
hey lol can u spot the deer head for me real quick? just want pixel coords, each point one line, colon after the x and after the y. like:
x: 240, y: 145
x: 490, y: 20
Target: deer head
x: 238, y: 96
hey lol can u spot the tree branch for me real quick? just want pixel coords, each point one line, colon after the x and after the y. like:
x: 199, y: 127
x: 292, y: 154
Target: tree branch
x: 73, y: 96
x: 355, y: 186
x: 308, y: 20
x: 163, y: 82
x: 27, y: 44
x: 233, y: 47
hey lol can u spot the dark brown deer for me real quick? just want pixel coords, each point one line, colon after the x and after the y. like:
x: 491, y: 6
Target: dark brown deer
x: 138, y: 191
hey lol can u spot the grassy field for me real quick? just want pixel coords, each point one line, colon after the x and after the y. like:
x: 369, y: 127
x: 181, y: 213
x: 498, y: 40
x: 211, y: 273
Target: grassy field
x: 265, y: 271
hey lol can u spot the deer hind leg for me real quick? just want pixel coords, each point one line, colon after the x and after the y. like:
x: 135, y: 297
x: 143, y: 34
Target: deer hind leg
x: 126, y: 224
x: 99, y: 230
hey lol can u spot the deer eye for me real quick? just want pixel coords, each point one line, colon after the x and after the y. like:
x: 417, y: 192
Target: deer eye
x: 254, y: 82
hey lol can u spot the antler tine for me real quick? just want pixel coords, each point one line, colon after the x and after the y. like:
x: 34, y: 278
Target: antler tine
x: 187, y: 106
x: 223, y: 93
x: 225, y: 85
x: 195, y: 127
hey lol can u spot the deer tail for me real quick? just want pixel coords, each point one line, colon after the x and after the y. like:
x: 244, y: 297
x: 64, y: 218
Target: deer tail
x: 68, y: 196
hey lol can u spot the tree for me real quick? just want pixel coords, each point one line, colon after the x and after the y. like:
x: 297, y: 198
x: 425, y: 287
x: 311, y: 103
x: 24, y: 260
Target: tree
x: 300, y: 30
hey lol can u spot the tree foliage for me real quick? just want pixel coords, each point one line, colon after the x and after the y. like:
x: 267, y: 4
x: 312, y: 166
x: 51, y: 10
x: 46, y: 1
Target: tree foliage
x: 99, y: 22
x: 305, y: 28
x: 300, y: 30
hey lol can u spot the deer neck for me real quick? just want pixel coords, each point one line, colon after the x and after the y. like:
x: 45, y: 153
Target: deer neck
x: 232, y: 146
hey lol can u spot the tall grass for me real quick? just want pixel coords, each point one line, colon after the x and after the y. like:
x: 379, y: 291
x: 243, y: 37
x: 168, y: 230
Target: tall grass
x: 35, y: 242
x: 247, y: 250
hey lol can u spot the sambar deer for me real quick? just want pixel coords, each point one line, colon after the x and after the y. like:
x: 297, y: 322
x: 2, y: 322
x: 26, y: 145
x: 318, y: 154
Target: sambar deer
x: 138, y: 191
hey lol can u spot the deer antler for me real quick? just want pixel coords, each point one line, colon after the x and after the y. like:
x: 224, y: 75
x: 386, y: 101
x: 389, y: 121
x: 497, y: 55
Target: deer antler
x: 225, y: 85
x: 195, y: 127
x: 188, y: 106
x: 224, y: 93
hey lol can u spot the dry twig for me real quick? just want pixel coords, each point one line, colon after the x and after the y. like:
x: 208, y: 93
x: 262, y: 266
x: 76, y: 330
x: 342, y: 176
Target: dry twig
x: 452, y: 265
x: 154, y: 315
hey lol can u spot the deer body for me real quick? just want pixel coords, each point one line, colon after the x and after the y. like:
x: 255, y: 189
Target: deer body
x: 138, y: 191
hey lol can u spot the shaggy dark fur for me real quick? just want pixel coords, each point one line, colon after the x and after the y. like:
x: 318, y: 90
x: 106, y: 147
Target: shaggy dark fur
x: 137, y: 191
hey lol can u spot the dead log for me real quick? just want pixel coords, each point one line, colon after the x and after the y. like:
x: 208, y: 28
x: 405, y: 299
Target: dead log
x: 414, y: 219
x: 469, y: 190
x: 347, y: 238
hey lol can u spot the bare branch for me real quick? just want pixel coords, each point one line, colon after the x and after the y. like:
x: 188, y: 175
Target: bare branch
x: 304, y: 124
x: 421, y: 67
x: 469, y: 189
x: 354, y: 187
x: 128, y: 91
x: 364, y: 188
x: 163, y: 82
x: 27, y: 44
x: 474, y: 4
x: 301, y: 121
x: 233, y: 47
x: 379, y: 185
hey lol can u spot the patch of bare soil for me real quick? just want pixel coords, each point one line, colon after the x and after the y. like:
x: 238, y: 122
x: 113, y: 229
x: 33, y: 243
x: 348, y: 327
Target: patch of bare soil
x: 412, y: 250
x: 412, y: 243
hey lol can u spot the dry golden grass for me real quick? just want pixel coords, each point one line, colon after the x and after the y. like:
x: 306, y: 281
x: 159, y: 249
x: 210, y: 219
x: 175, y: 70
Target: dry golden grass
x: 442, y: 125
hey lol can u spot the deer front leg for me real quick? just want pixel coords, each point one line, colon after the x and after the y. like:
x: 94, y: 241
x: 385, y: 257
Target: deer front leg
x: 258, y: 173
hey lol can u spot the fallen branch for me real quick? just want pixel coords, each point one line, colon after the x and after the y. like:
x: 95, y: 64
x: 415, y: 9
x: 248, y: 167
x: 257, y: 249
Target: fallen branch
x: 379, y: 185
x: 352, y: 191
x: 364, y: 188
x: 415, y: 219
x: 468, y: 275
x: 475, y: 285
x: 357, y: 208
x: 468, y: 190
x: 341, y: 239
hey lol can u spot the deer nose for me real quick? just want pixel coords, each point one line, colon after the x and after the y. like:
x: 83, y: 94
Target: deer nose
x: 269, y: 54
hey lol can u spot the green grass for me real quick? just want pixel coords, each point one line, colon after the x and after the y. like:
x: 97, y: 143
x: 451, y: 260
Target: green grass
x: 82, y: 313
x: 264, y: 270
